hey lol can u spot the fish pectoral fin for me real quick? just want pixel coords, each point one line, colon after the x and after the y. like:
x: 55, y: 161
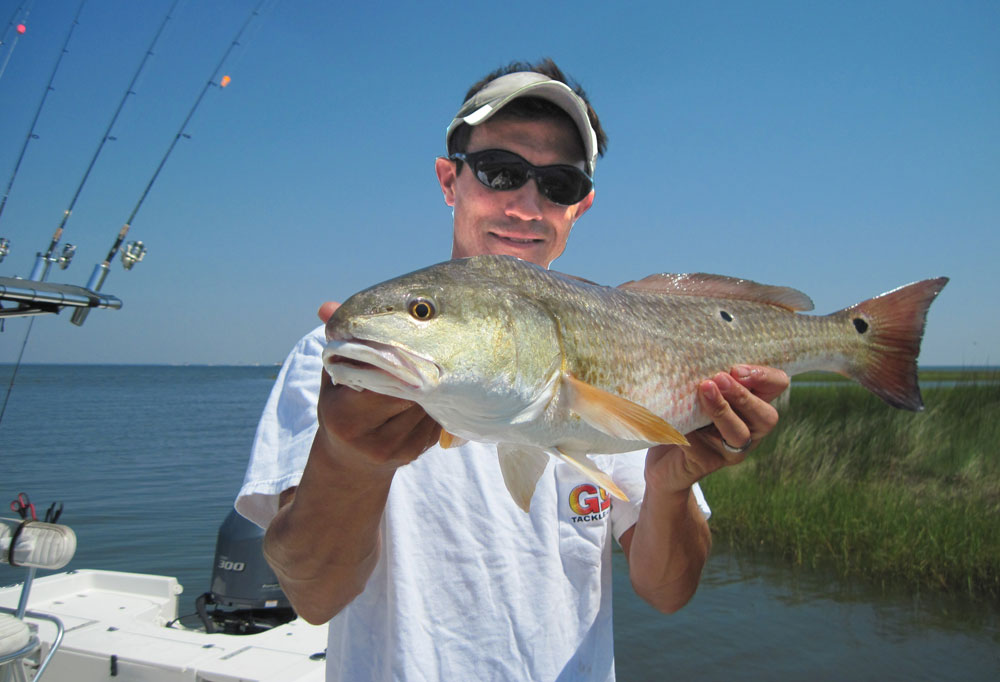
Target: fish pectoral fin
x: 617, y: 416
x: 521, y: 466
x: 587, y: 467
x: 450, y: 440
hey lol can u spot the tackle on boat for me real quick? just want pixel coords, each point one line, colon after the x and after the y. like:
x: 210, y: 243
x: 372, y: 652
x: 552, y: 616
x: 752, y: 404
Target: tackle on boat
x: 86, y: 624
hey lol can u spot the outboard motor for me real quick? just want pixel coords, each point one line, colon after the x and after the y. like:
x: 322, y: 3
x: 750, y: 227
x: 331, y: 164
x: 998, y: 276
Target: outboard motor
x: 245, y: 591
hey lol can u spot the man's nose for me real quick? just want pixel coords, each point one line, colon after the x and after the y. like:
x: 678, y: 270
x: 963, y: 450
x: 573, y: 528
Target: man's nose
x: 525, y: 203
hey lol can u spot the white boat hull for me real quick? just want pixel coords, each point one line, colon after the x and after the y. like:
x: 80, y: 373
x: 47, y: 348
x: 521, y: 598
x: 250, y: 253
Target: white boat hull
x: 117, y: 622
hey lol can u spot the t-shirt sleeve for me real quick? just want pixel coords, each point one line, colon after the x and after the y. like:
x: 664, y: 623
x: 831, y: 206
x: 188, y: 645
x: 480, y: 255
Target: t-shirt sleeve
x: 630, y: 475
x: 285, y: 431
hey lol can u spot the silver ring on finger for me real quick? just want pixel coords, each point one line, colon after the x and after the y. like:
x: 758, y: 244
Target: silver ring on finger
x: 739, y: 450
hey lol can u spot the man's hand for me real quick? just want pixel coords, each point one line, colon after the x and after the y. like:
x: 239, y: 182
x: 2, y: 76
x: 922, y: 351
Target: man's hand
x: 739, y: 405
x: 669, y: 544
x: 323, y: 557
x: 327, y: 310
x: 370, y: 431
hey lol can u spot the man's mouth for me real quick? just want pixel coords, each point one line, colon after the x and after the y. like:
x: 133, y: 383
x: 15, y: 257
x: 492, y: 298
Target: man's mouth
x: 517, y: 240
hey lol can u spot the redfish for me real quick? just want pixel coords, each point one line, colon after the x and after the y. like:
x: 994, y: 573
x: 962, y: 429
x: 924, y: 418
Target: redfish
x: 500, y: 350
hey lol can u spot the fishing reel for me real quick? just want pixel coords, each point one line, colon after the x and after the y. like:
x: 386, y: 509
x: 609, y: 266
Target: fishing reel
x: 132, y: 254
x: 4, y: 248
x: 69, y: 250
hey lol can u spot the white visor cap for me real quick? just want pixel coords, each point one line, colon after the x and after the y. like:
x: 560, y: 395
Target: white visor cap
x: 501, y: 91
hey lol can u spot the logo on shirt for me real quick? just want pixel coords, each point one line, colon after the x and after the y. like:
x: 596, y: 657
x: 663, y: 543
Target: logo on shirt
x: 589, y: 503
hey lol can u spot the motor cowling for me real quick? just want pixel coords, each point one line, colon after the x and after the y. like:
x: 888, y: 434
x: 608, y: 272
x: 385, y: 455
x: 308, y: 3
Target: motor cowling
x: 244, y: 590
x: 241, y: 577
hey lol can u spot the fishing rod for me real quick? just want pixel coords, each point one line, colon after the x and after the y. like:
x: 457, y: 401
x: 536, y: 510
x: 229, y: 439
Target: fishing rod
x: 48, y: 88
x: 19, y: 30
x: 134, y: 251
x: 3, y: 202
x: 43, y: 262
x: 13, y: 18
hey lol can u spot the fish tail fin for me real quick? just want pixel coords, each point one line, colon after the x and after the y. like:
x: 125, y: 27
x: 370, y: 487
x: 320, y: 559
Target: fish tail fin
x: 894, y: 326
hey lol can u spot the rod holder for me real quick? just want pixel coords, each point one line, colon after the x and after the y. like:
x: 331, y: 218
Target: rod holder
x: 41, y: 269
x: 95, y: 283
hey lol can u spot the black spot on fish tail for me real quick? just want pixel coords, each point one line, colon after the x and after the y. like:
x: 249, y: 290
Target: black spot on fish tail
x: 892, y: 326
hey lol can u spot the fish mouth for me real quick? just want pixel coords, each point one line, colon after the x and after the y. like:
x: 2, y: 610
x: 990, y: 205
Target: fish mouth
x: 379, y: 367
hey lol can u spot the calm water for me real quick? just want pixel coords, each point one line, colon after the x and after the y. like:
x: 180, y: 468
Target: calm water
x: 147, y: 461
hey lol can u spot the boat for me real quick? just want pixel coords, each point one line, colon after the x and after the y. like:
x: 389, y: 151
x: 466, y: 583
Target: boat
x: 82, y: 625
x: 86, y: 625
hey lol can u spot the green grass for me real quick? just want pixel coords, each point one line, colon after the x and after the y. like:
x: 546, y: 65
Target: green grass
x: 891, y: 496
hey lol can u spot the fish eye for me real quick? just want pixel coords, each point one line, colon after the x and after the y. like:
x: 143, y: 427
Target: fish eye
x: 421, y: 309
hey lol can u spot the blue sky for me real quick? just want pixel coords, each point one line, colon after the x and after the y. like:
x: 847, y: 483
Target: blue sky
x: 840, y: 148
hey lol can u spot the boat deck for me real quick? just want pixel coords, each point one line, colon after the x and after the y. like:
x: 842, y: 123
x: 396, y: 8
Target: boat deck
x: 116, y: 625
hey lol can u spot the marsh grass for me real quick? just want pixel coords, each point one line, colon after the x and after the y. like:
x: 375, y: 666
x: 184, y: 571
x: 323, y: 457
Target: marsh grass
x: 889, y: 495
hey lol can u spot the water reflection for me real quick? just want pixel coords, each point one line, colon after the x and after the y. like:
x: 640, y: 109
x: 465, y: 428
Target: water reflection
x: 755, y: 619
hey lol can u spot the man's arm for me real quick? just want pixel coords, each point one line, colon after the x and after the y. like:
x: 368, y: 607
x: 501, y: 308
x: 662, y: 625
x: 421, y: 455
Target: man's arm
x: 324, y: 541
x: 669, y: 544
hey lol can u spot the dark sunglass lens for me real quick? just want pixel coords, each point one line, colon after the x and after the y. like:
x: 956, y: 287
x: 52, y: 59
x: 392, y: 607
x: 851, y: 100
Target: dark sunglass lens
x: 563, y: 186
x: 501, y: 173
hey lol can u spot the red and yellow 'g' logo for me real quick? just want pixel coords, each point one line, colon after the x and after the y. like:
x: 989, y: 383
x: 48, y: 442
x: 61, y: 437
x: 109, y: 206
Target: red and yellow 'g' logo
x: 588, y: 499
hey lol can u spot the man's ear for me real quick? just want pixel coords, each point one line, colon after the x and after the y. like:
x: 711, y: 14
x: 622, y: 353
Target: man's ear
x: 584, y: 205
x: 447, y: 177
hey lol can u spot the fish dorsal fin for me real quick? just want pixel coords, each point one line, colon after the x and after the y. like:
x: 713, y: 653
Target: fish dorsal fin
x: 521, y: 466
x: 720, y: 286
x: 450, y: 440
x: 587, y: 467
x: 617, y: 416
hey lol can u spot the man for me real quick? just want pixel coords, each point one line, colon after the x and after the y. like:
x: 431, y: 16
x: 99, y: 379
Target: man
x: 425, y: 564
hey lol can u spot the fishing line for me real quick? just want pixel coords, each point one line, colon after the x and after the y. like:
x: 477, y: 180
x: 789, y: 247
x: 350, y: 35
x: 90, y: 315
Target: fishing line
x: 101, y: 270
x: 13, y: 18
x: 23, y: 7
x: 26, y: 7
x: 129, y: 90
x: 48, y: 88
x: 41, y: 267
x: 248, y: 37
x: 17, y: 366
x: 30, y: 136
x: 212, y: 82
x: 10, y: 22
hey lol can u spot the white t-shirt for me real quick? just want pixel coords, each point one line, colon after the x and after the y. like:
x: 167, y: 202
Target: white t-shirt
x: 468, y: 586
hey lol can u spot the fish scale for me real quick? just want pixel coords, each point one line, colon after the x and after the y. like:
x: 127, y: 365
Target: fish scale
x: 501, y: 350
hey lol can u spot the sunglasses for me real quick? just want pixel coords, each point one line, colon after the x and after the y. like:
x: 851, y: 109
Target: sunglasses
x: 504, y: 171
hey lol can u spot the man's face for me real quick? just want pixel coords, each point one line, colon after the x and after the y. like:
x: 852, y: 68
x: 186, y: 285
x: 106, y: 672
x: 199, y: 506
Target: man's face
x: 519, y: 222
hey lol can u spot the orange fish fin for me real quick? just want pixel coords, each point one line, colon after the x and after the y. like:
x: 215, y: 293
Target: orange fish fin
x: 894, y: 325
x: 586, y: 466
x: 617, y: 416
x: 521, y: 466
x: 720, y: 286
x: 450, y: 440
